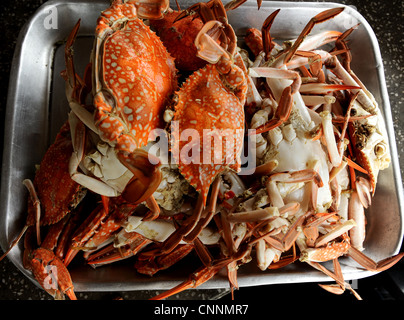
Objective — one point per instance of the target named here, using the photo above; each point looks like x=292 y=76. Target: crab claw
x=147 y=176
x=205 y=42
x=149 y=9
x=52 y=274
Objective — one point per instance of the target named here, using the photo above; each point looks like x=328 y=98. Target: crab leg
x=266 y=37
x=329 y=138
x=341 y=45
x=76 y=88
x=234 y=4
x=310 y=229
x=154 y=209
x=150 y=265
x=197 y=278
x=51 y=240
x=108 y=227
x=319 y=18
x=176 y=237
x=314 y=58
x=281 y=84
x=366 y=100
x=294 y=231
x=334 y=233
x=284 y=97
x=74 y=85
x=336 y=276
x=297 y=176
x=85 y=232
x=226 y=230
x=357 y=213
x=315 y=41
x=255 y=215
x=112 y=253
x=14 y=243
x=315 y=64
x=265 y=168
x=324 y=88
x=307 y=175
x=286 y=242
x=371 y=265
x=202 y=223
x=37 y=205
x=192 y=227
x=201 y=275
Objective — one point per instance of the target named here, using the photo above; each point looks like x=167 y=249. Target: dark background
x=385 y=17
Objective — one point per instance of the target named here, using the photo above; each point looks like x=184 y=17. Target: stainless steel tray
x=37 y=107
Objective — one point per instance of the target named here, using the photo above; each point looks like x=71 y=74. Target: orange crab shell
x=253 y=39
x=179 y=38
x=57 y=192
x=361 y=158
x=204 y=102
x=141 y=75
x=331 y=251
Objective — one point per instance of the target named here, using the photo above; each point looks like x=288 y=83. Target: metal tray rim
x=11 y=112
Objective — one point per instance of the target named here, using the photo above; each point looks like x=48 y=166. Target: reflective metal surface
x=37 y=107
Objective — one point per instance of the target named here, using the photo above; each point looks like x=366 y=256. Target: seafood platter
x=169 y=146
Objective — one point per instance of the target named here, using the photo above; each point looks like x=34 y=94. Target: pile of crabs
x=134 y=172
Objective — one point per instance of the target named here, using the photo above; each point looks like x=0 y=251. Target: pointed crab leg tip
x=69 y=257
x=328 y=14
x=181 y=287
x=333 y=288
x=389 y=262
x=369 y=264
x=70 y=293
x=271 y=17
x=73 y=34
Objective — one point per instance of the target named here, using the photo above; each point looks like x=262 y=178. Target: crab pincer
x=52 y=274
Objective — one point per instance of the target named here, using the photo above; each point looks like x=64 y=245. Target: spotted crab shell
x=210 y=108
x=140 y=75
x=57 y=192
x=179 y=38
